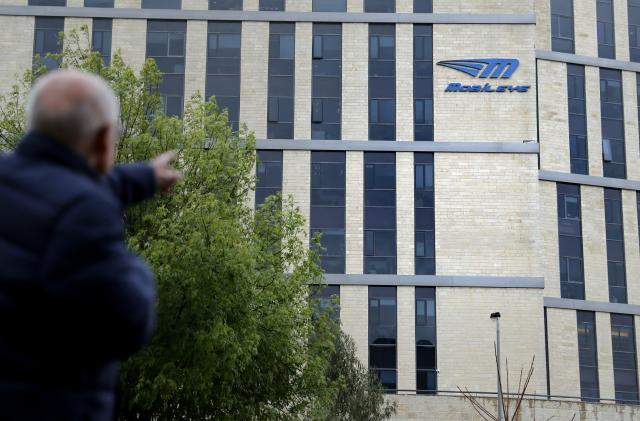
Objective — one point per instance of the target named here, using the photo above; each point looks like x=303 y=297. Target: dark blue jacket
x=73 y=300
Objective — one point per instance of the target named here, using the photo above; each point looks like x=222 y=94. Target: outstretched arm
x=134 y=183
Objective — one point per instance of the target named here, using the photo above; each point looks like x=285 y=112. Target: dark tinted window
x=615 y=246
x=326 y=105
x=328 y=207
x=577 y=119
x=48 y=3
x=423 y=82
x=98 y=3
x=613 y=147
x=423 y=6
x=625 y=371
x=223 y=67
x=606 y=37
x=328 y=298
x=425 y=248
x=426 y=355
x=382 y=82
x=588 y=356
x=379 y=212
x=383 y=328
x=273 y=5
x=166 y=45
x=161 y=4
x=225 y=4
x=268 y=175
x=101 y=38
x=570 y=237
x=380 y=6
x=46 y=40
x=329 y=5
x=562 y=26
x=634 y=29
x=281 y=80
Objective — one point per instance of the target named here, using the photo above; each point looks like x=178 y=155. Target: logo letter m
x=494 y=68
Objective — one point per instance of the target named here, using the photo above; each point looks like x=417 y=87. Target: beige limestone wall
x=355 y=6
x=302 y=112
x=632 y=142
x=355 y=81
x=594 y=127
x=129 y=4
x=404 y=6
x=466 y=336
x=354 y=236
x=17 y=48
x=585 y=28
x=354 y=308
x=195 y=4
x=487 y=6
x=594 y=245
x=631 y=245
x=130 y=37
x=455 y=408
x=543 y=24
x=486 y=212
x=250 y=5
x=406 y=338
x=196 y=59
x=405 y=213
x=298 y=6
x=605 y=356
x=502 y=117
x=564 y=370
x=296 y=180
x=554 y=117
x=404 y=82
x=254 y=69
x=621 y=29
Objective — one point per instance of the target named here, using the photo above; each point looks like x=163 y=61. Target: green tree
x=239 y=336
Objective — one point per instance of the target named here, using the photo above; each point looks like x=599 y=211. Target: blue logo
x=494 y=68
x=485 y=68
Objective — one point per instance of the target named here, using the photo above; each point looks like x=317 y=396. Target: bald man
x=73 y=300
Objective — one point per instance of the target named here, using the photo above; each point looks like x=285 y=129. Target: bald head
x=74 y=108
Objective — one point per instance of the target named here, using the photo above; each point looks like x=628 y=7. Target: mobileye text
x=487 y=87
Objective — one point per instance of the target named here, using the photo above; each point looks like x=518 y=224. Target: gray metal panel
x=589 y=180
x=437 y=281
x=604 y=307
x=587 y=60
x=90 y=12
x=358 y=145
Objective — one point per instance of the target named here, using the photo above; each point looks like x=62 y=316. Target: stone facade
x=254 y=68
x=16 y=54
x=130 y=37
x=404 y=82
x=585 y=29
x=355 y=212
x=355 y=82
x=405 y=213
x=564 y=370
x=302 y=113
x=506 y=117
x=473 y=238
x=594 y=126
x=594 y=245
x=554 y=117
x=196 y=59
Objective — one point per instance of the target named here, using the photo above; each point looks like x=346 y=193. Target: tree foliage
x=238 y=335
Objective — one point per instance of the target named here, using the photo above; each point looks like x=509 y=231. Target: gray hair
x=71 y=106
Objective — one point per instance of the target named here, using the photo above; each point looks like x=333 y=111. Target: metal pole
x=500 y=409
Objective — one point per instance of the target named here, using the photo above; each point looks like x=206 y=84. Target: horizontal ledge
x=398 y=146
x=238 y=15
x=436 y=280
x=589 y=180
x=587 y=60
x=601 y=306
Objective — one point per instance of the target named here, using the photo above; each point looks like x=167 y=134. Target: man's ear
x=103 y=150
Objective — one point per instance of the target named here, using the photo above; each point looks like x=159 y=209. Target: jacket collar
x=41 y=147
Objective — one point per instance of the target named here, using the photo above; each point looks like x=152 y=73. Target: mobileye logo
x=484 y=68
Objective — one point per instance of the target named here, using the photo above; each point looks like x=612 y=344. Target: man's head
x=79 y=110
